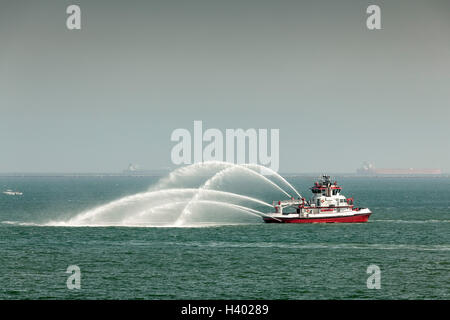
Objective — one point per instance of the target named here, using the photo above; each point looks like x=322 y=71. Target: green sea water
x=407 y=237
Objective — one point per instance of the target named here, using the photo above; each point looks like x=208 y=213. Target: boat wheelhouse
x=327 y=205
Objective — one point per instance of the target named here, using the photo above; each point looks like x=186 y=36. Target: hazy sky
x=96 y=99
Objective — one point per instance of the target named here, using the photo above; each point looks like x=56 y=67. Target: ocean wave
x=137 y=225
x=410 y=221
x=20 y=223
x=344 y=246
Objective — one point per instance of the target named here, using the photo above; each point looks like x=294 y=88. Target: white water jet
x=141 y=215
x=223 y=172
x=188 y=176
x=201 y=168
x=128 y=203
x=219 y=175
x=173 y=199
x=141 y=218
x=124 y=210
x=204 y=170
x=274 y=173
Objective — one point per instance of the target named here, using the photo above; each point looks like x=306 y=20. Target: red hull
x=357 y=218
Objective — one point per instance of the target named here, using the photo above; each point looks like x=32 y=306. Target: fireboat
x=327 y=205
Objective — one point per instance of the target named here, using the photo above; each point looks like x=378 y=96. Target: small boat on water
x=9 y=192
x=327 y=205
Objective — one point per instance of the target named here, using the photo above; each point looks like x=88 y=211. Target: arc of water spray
x=238 y=166
x=193 y=166
x=168 y=205
x=230 y=167
x=225 y=167
x=123 y=201
x=235 y=195
x=276 y=174
x=143 y=196
x=162 y=206
x=229 y=164
x=250 y=210
x=249 y=165
x=217 y=192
